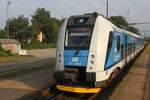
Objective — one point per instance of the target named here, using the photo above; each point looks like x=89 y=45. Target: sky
x=138 y=9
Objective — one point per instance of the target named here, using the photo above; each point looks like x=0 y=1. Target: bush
x=4 y=52
x=38 y=45
x=3 y=34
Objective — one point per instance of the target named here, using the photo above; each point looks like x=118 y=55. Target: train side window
x=110 y=40
x=118 y=43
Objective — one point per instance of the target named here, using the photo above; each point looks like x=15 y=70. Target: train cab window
x=110 y=40
x=118 y=44
x=78 y=37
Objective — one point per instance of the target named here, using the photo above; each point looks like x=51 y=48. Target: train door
x=119 y=52
x=126 y=48
x=122 y=43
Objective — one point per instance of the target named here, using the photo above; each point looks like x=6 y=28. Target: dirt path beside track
x=22 y=78
x=50 y=52
x=15 y=88
x=136 y=84
x=147 y=84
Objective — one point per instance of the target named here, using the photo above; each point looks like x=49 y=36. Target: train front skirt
x=78 y=89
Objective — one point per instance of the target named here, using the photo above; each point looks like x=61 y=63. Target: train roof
x=127 y=32
x=115 y=28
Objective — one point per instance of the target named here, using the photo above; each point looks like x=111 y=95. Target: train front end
x=73 y=55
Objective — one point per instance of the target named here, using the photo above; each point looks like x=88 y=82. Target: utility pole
x=128 y=16
x=106 y=8
x=8 y=3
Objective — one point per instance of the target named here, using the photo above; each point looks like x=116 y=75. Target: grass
x=4 y=53
x=38 y=45
x=26 y=71
x=6 y=59
x=16 y=73
x=6 y=56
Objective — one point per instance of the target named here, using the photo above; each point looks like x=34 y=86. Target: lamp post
x=128 y=16
x=106 y=8
x=8 y=3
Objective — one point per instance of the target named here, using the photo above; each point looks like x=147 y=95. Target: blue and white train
x=90 y=51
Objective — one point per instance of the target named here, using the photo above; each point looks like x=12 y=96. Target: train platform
x=136 y=84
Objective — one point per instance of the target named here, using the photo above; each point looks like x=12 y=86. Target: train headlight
x=92 y=56
x=92 y=59
x=90 y=68
x=60 y=55
x=92 y=62
x=59 y=60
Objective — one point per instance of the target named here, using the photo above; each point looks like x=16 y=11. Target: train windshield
x=78 y=37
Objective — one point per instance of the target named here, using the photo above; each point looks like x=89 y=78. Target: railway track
x=53 y=94
x=14 y=68
x=25 y=79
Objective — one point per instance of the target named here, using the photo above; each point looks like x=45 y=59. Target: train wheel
x=109 y=80
x=117 y=72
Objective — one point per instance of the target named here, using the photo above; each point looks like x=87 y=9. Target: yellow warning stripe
x=78 y=89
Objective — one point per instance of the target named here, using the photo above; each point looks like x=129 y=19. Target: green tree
x=120 y=22
x=55 y=28
x=133 y=29
x=3 y=34
x=43 y=22
x=19 y=28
